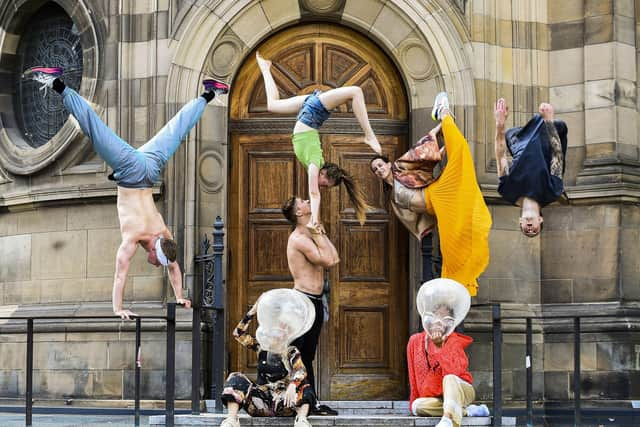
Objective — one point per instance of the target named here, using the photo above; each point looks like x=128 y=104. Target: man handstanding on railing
x=308 y=254
x=135 y=171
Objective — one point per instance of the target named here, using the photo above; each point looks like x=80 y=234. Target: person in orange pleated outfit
x=456 y=201
x=451 y=197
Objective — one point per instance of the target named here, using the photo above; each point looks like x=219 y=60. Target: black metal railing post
x=217 y=329
x=576 y=371
x=29 y=375
x=137 y=365
x=170 y=391
x=196 y=357
x=497 y=364
x=529 y=370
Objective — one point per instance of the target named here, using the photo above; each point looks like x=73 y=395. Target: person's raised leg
x=335 y=97
x=274 y=103
x=441 y=112
x=113 y=150
x=162 y=146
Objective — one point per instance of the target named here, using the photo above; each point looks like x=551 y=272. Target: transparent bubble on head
x=439 y=299
x=273 y=339
x=287 y=311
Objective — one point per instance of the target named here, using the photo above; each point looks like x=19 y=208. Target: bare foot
x=372 y=142
x=264 y=64
x=501 y=112
x=546 y=111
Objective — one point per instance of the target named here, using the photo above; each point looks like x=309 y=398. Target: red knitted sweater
x=426 y=372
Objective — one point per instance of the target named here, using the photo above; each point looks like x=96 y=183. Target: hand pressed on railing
x=125 y=314
x=183 y=302
x=130 y=315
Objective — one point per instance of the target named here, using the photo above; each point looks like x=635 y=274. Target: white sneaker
x=445 y=422
x=302 y=422
x=230 y=422
x=440 y=104
x=478 y=410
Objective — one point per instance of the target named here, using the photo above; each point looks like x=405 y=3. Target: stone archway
x=426 y=42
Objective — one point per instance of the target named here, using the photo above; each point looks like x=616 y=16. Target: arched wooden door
x=362 y=349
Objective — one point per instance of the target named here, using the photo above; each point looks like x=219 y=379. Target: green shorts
x=308 y=149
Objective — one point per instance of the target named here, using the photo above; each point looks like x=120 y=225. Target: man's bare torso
x=139 y=219
x=307 y=277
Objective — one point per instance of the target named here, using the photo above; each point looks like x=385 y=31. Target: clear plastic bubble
x=443 y=304
x=283 y=316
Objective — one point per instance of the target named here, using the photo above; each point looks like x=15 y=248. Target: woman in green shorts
x=312 y=111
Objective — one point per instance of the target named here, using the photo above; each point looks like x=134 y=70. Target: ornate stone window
x=54 y=41
x=34 y=130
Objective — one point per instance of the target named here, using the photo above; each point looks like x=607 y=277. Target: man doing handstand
x=135 y=171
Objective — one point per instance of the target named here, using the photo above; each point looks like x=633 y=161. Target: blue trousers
x=134 y=168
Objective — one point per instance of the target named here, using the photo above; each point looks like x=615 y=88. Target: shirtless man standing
x=135 y=171
x=308 y=254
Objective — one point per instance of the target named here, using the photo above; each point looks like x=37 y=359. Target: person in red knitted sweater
x=441 y=384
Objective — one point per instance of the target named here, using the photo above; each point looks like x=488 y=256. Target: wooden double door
x=362 y=347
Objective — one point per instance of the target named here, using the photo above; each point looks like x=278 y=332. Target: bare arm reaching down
x=557 y=158
x=175 y=277
x=501 y=112
x=123 y=260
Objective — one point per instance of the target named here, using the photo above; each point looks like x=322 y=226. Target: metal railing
x=170 y=319
x=209 y=299
x=576 y=330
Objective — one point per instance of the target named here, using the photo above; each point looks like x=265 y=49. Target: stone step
x=352 y=413
x=341 y=420
x=354 y=407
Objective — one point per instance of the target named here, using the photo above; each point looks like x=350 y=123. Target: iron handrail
x=170 y=318
x=497 y=355
x=116 y=318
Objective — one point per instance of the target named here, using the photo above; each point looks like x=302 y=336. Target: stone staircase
x=352 y=414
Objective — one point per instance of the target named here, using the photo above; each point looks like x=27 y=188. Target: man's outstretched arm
x=501 y=111
x=123 y=260
x=557 y=157
x=175 y=277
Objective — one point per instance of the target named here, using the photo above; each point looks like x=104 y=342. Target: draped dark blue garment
x=529 y=174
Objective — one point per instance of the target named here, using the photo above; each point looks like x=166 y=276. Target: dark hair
x=289 y=210
x=170 y=249
x=356 y=196
x=386 y=187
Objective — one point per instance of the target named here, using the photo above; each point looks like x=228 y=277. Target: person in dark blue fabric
x=534 y=178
